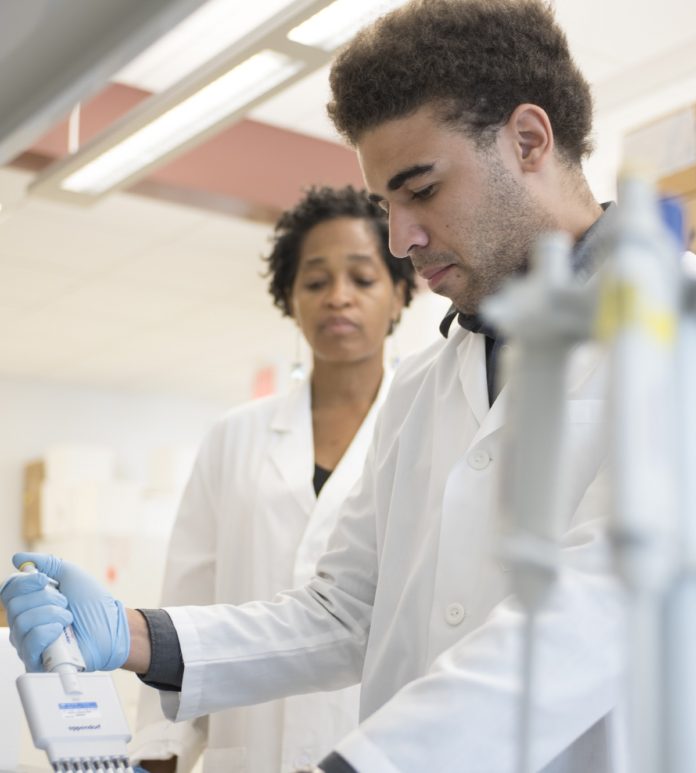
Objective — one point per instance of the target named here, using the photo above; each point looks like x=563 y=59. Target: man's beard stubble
x=508 y=225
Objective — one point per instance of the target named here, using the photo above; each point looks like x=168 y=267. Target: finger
x=36 y=641
x=19 y=584
x=44 y=562
x=45 y=597
x=36 y=618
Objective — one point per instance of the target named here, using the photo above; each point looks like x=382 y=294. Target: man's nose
x=404 y=233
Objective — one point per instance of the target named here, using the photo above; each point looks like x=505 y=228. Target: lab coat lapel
x=334 y=491
x=471 y=355
x=291 y=445
x=350 y=466
x=584 y=363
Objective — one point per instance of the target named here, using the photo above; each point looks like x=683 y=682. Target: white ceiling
x=139 y=294
x=133 y=293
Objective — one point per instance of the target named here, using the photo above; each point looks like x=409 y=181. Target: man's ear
x=530 y=134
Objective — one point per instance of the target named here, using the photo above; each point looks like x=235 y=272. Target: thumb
x=45 y=563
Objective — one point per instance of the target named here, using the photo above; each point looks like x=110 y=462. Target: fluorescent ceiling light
x=241 y=85
x=217 y=93
x=208 y=31
x=338 y=22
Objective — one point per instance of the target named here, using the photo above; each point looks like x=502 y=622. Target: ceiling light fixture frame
x=270 y=36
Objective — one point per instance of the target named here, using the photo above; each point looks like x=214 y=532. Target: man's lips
x=433 y=274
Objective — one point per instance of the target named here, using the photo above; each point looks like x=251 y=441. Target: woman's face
x=343 y=298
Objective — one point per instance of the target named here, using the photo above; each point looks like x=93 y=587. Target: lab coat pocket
x=232 y=759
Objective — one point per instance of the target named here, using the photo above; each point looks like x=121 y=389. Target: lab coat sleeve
x=461 y=716
x=189 y=579
x=305 y=640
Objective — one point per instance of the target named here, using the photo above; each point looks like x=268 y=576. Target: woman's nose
x=340 y=293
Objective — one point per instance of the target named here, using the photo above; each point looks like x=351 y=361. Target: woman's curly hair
x=317 y=206
x=474 y=61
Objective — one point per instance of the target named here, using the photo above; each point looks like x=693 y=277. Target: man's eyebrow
x=413 y=171
x=400 y=178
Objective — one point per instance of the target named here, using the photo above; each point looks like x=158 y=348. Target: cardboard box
x=667 y=146
x=683 y=185
x=34 y=475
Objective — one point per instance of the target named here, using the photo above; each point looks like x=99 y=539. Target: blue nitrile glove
x=36 y=613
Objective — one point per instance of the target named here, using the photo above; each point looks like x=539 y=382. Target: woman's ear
x=530 y=135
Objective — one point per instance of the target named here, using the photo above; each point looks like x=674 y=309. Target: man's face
x=462 y=214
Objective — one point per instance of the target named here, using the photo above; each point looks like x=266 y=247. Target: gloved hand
x=37 y=613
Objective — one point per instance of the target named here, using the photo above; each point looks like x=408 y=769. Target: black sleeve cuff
x=167 y=663
x=334 y=763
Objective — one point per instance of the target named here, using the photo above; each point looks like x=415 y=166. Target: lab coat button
x=454 y=614
x=479 y=459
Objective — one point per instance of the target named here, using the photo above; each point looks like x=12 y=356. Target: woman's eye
x=363 y=281
x=315 y=284
x=423 y=193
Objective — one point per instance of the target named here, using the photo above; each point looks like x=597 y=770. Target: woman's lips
x=339 y=325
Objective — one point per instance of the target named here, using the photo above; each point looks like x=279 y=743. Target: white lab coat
x=249 y=526
x=412 y=597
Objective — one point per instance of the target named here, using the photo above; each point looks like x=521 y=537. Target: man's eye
x=423 y=193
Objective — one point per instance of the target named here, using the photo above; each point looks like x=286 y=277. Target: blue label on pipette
x=672 y=214
x=79 y=709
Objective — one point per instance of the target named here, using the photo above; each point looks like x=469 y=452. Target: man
x=470 y=121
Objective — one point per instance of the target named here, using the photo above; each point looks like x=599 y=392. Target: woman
x=265 y=490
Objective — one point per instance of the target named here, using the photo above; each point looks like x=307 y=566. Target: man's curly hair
x=317 y=206
x=474 y=61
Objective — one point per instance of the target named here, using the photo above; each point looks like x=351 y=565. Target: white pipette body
x=63 y=656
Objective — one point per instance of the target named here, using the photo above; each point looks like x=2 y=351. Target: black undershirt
x=321 y=475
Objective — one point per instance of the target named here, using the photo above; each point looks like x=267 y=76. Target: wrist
x=140 y=650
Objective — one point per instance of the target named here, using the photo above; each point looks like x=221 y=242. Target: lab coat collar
x=292 y=430
x=585 y=366
x=324 y=514
x=471 y=356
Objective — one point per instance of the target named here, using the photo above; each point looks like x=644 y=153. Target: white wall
x=35 y=415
